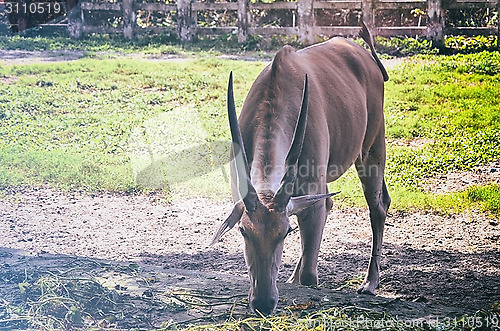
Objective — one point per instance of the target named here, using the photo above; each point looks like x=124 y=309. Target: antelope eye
x=243 y=233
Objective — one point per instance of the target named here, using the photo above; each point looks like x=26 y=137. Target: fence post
x=184 y=20
x=244 y=19
x=22 y=16
x=75 y=19
x=129 y=19
x=305 y=21
x=498 y=25
x=435 y=25
x=368 y=12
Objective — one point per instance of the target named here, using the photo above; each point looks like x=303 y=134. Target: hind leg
x=370 y=170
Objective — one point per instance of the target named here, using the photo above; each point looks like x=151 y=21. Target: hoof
x=362 y=290
x=367 y=288
x=306 y=279
x=309 y=279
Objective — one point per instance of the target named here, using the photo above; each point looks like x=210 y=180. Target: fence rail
x=304 y=25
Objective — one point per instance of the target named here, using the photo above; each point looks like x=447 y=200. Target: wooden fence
x=304 y=25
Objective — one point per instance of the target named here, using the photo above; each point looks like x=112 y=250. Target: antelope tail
x=367 y=37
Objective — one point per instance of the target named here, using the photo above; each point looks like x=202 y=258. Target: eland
x=307 y=118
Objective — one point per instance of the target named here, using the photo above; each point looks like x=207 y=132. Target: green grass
x=132 y=125
x=488 y=197
x=452 y=102
x=96 y=124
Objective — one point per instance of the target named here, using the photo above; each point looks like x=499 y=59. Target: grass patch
x=488 y=197
x=163 y=44
x=452 y=102
x=134 y=125
x=96 y=124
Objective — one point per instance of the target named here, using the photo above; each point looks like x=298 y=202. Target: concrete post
x=184 y=20
x=498 y=26
x=305 y=21
x=368 y=11
x=75 y=19
x=129 y=19
x=244 y=20
x=22 y=16
x=435 y=25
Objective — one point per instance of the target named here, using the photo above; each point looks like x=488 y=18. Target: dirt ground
x=438 y=263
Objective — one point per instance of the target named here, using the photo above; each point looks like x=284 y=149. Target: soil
x=15 y=57
x=457 y=181
x=432 y=264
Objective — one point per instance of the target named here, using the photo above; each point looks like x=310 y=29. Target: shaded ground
x=29 y=57
x=429 y=261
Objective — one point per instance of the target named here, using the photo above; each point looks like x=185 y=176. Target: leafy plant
x=475 y=44
x=483 y=63
x=404 y=46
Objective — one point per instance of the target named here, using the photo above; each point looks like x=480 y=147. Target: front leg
x=311 y=224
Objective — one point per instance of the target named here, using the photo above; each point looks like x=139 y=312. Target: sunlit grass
x=71 y=124
x=133 y=125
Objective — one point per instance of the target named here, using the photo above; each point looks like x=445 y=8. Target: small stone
x=420 y=299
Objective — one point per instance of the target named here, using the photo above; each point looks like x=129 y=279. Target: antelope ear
x=229 y=223
x=297 y=204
